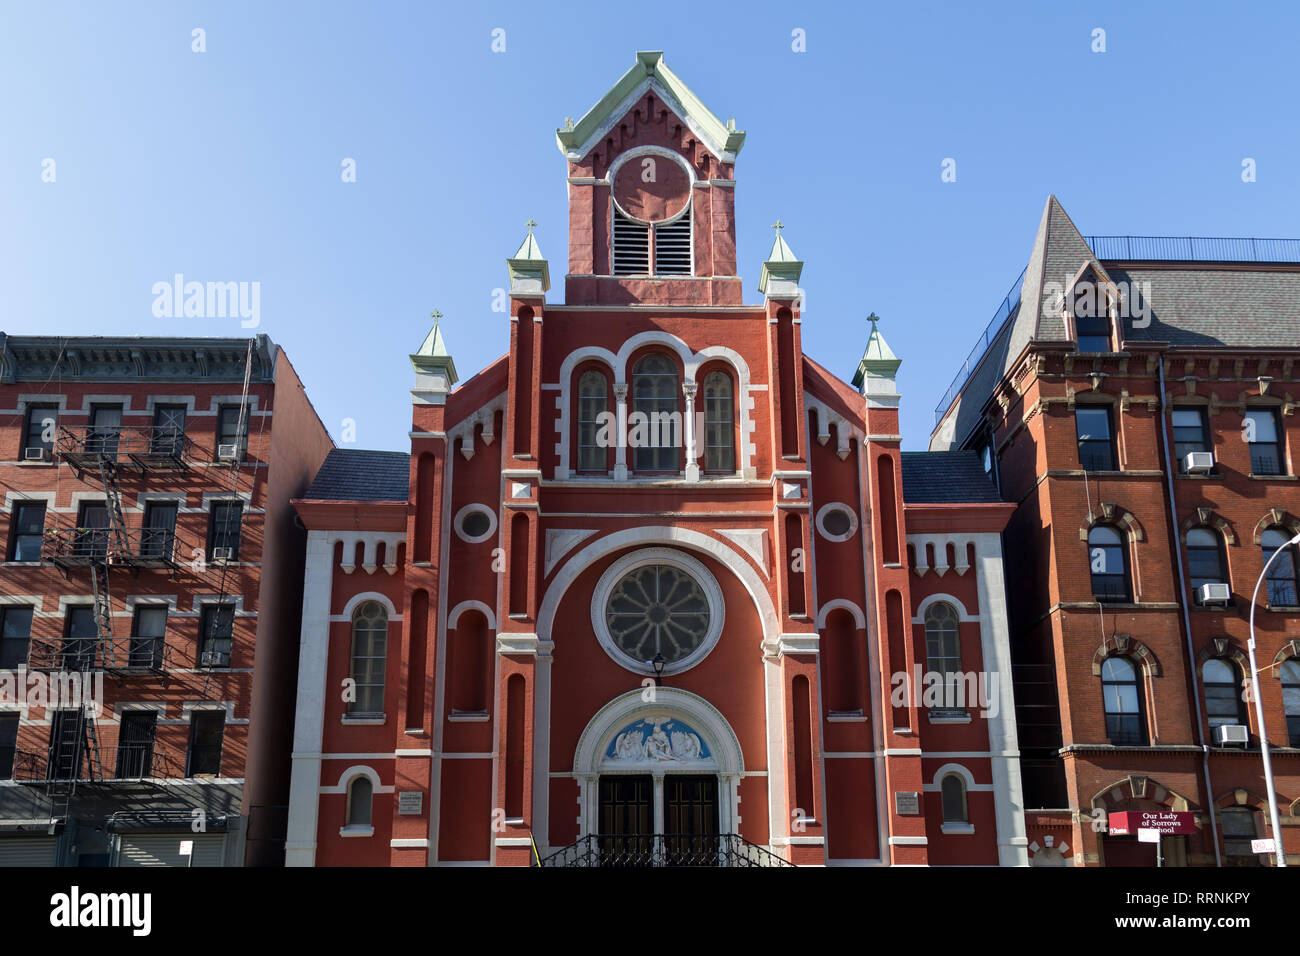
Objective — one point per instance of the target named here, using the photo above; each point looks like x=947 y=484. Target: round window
x=837 y=522
x=657 y=609
x=475 y=523
x=657 y=602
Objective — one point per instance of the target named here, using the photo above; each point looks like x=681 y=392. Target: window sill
x=22 y=463
x=356 y=831
x=366 y=720
x=22 y=564
x=957 y=828
x=846 y=716
x=949 y=717
x=467 y=716
x=1284 y=608
x=1254 y=477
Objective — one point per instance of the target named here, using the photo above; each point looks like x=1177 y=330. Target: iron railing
x=138 y=762
x=721 y=850
x=158 y=447
x=126 y=655
x=1194 y=249
x=1000 y=317
x=81 y=547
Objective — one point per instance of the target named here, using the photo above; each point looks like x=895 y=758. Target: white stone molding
x=468 y=509
x=826 y=509
x=963 y=616
x=859 y=619
x=454 y=614
x=559 y=542
x=466 y=428
x=753 y=541
x=826 y=417
x=940 y=543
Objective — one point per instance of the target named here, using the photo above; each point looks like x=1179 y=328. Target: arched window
x=942 y=641
x=1290 y=673
x=1223 y=693
x=1108 y=563
x=1205 y=559
x=657 y=437
x=369 y=651
x=1240 y=826
x=593 y=402
x=953 y=788
x=360 y=800
x=1281 y=580
x=1122 y=699
x=719 y=424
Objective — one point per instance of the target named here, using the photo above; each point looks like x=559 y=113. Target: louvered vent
x=631 y=247
x=673 y=247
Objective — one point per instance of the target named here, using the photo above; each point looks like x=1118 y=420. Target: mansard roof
x=351 y=474
x=1211 y=293
x=650 y=73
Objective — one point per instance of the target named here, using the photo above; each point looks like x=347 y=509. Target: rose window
x=657 y=609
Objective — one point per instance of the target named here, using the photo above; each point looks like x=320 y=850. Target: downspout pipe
x=1187 y=617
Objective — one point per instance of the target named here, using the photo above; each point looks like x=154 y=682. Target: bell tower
x=651 y=195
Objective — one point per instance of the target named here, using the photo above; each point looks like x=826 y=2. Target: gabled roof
x=350 y=474
x=946 y=477
x=650 y=73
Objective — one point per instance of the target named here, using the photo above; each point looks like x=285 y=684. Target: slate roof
x=1203 y=305
x=946 y=477
x=349 y=474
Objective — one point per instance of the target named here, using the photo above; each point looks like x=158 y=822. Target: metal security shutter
x=27 y=851
x=163 y=849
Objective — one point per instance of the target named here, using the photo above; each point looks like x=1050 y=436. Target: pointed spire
x=530 y=273
x=878 y=360
x=435 y=372
x=780 y=276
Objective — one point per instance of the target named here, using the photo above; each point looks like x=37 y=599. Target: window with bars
x=593 y=401
x=207 y=732
x=223 y=530
x=135 y=744
x=666 y=246
x=369 y=658
x=216 y=635
x=719 y=425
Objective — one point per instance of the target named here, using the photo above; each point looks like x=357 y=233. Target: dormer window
x=1092 y=322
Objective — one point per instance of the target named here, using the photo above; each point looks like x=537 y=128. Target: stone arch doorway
x=658 y=771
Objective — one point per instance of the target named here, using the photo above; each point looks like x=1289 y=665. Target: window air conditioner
x=1214 y=593
x=215 y=659
x=1198 y=462
x=227 y=452
x=1232 y=734
x=34 y=454
x=223 y=554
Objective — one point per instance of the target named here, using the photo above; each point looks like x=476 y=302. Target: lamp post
x=1278 y=850
x=658 y=664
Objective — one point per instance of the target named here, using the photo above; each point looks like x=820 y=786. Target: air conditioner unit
x=223 y=554
x=215 y=659
x=228 y=452
x=1214 y=593
x=1198 y=462
x=34 y=454
x=1232 y=734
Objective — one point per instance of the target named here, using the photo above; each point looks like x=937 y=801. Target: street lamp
x=1271 y=796
x=659 y=662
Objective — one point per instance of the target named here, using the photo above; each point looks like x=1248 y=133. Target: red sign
x=1165 y=821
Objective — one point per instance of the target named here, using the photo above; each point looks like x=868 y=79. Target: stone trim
x=1122 y=645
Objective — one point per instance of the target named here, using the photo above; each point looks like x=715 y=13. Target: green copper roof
x=529 y=265
x=879 y=358
x=781 y=262
x=649 y=72
x=433 y=353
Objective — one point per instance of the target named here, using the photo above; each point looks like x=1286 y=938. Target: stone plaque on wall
x=410 y=803
x=907 y=803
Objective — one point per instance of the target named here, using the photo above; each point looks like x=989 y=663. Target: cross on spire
x=530 y=223
x=435 y=315
x=873 y=319
x=778 y=226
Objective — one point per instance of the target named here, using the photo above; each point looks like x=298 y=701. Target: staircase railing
x=670 y=849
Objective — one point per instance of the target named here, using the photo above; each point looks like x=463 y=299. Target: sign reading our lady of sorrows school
x=1165 y=821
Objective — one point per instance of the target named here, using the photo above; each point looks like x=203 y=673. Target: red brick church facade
x=647 y=588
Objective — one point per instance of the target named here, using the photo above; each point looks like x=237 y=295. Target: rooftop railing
x=1133 y=249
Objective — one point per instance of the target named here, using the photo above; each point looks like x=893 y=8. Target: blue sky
x=225 y=165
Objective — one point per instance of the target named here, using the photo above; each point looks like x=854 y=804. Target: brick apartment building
x=1135 y=399
x=486 y=617
x=148 y=547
